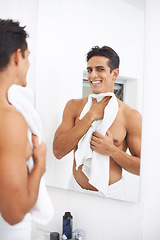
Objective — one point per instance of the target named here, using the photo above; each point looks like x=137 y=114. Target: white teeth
x=96 y=82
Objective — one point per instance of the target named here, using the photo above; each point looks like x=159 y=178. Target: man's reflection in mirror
x=100 y=128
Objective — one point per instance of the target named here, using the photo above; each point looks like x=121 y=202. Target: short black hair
x=107 y=52
x=12 y=37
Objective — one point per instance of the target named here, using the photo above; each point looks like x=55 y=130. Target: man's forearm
x=22 y=198
x=34 y=179
x=67 y=141
x=128 y=162
x=105 y=146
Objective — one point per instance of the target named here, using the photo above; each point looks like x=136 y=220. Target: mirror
x=67 y=30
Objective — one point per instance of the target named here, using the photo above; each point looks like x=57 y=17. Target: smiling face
x=100 y=78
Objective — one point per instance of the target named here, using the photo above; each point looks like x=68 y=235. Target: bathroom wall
x=150 y=173
x=100 y=218
x=104 y=219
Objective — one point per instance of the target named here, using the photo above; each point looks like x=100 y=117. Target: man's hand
x=39 y=153
x=97 y=108
x=102 y=144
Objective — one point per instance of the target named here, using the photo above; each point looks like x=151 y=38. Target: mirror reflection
x=100 y=128
x=61 y=80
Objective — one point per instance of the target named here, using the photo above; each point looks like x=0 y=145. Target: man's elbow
x=57 y=153
x=13 y=218
x=14 y=211
x=138 y=172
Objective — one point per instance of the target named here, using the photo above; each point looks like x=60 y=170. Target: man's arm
x=18 y=189
x=105 y=144
x=68 y=134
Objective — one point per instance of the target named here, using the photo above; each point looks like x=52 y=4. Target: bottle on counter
x=67 y=226
x=54 y=236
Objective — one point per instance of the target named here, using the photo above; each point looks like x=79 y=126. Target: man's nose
x=93 y=74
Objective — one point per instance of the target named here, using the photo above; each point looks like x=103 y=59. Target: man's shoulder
x=74 y=107
x=12 y=124
x=11 y=115
x=76 y=104
x=132 y=117
x=78 y=101
x=127 y=110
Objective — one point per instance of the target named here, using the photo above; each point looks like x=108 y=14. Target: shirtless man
x=125 y=132
x=18 y=188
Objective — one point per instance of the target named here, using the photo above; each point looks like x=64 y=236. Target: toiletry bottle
x=79 y=234
x=67 y=225
x=54 y=236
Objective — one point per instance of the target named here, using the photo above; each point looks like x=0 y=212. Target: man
x=123 y=133
x=18 y=188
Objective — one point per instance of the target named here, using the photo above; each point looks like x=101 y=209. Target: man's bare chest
x=118 y=131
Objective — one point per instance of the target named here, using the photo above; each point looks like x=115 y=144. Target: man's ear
x=115 y=73
x=16 y=56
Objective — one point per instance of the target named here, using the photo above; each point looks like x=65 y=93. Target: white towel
x=95 y=165
x=22 y=99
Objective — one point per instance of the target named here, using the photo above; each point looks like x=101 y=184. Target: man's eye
x=100 y=69
x=89 y=70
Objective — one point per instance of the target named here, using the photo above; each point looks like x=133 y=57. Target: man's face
x=99 y=77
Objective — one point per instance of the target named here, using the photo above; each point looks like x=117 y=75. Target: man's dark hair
x=105 y=52
x=12 y=37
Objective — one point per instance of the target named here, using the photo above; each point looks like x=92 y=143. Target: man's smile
x=96 y=82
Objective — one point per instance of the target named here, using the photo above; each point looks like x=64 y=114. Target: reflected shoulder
x=131 y=116
x=128 y=111
x=77 y=101
x=75 y=105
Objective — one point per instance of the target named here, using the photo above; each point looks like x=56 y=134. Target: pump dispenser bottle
x=67 y=226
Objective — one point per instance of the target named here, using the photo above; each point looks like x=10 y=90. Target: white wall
x=151 y=125
x=100 y=218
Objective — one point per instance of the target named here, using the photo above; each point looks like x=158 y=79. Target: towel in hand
x=22 y=99
x=95 y=165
